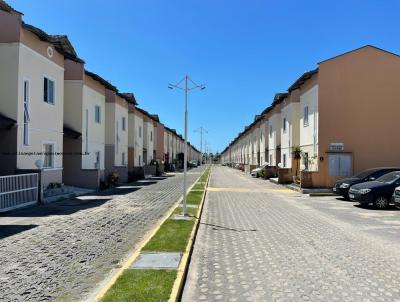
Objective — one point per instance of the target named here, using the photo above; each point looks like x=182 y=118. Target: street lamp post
x=186 y=88
x=201 y=130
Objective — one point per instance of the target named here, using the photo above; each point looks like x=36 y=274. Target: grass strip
x=142 y=285
x=173 y=236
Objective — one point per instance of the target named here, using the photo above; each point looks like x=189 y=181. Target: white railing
x=18 y=191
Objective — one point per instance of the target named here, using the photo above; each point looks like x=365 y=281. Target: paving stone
x=157 y=261
x=73 y=246
x=267 y=244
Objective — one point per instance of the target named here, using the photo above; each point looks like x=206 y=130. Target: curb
x=183 y=268
x=109 y=281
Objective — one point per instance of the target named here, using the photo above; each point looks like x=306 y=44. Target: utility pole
x=201 y=130
x=186 y=88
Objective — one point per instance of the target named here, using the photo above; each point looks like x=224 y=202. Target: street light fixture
x=186 y=88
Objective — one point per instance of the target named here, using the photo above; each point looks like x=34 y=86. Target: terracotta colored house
x=340 y=114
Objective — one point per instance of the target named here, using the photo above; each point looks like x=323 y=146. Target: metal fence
x=18 y=191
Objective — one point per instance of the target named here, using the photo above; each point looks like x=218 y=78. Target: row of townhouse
x=341 y=115
x=60 y=118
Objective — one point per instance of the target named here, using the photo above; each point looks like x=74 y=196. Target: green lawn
x=142 y=285
x=194 y=197
x=190 y=211
x=172 y=236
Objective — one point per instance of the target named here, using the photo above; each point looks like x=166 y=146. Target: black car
x=342 y=186
x=379 y=192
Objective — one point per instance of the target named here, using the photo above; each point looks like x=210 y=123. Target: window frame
x=26 y=110
x=52 y=143
x=49 y=78
x=97 y=117
x=123 y=123
x=305 y=116
x=284 y=127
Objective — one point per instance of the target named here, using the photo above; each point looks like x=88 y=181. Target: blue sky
x=244 y=51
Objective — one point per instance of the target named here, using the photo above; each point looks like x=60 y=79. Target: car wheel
x=381 y=203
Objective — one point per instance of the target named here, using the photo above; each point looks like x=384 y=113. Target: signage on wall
x=336 y=147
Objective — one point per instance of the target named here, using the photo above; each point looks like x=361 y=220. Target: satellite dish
x=302 y=167
x=39 y=163
x=280 y=165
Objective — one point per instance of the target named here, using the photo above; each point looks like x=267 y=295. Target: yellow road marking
x=213 y=189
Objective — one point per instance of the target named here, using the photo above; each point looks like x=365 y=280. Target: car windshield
x=365 y=174
x=389 y=178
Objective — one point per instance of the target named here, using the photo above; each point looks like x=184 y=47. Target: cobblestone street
x=62 y=250
x=261 y=242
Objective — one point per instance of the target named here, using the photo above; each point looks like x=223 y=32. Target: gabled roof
x=128 y=96
x=100 y=80
x=357 y=49
x=302 y=79
x=7 y=8
x=61 y=42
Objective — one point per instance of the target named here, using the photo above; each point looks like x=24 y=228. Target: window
x=305 y=117
x=270 y=159
x=140 y=160
x=48 y=150
x=26 y=113
x=306 y=162
x=261 y=135
x=97 y=162
x=123 y=123
x=151 y=136
x=87 y=131
x=48 y=91
x=270 y=131
x=97 y=114
x=284 y=160
x=123 y=159
x=140 y=131
x=284 y=124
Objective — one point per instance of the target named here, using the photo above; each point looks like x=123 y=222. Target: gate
x=18 y=191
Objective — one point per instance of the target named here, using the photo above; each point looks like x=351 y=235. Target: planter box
x=285 y=175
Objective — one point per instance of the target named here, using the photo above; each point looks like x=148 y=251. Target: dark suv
x=342 y=186
x=379 y=192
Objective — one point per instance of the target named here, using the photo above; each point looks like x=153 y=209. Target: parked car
x=342 y=186
x=378 y=192
x=396 y=197
x=193 y=163
x=256 y=172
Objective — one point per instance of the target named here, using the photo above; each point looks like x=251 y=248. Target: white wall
x=309 y=132
x=121 y=136
x=138 y=145
x=46 y=120
x=290 y=137
x=274 y=139
x=96 y=131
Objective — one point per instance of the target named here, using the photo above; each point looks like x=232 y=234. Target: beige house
x=274 y=131
x=32 y=96
x=116 y=134
x=290 y=132
x=84 y=126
